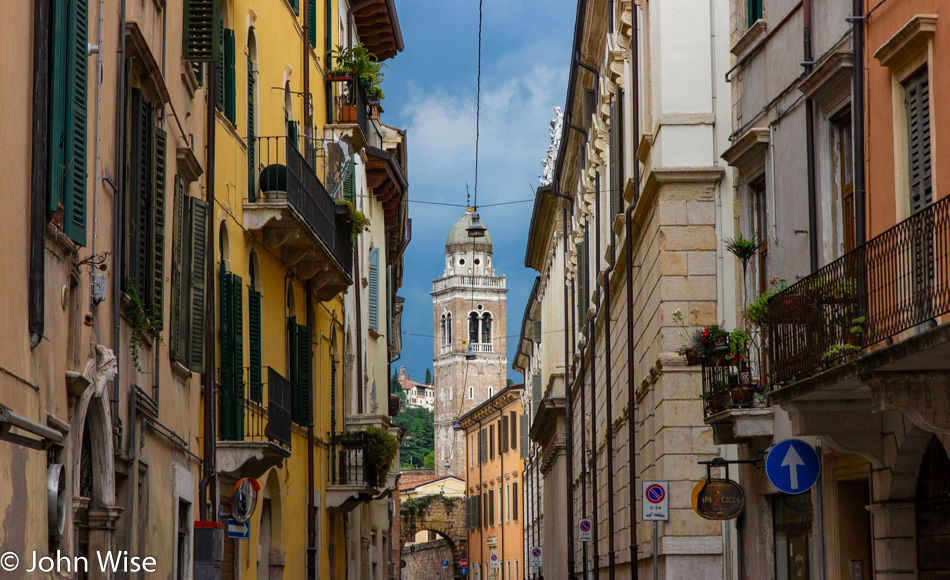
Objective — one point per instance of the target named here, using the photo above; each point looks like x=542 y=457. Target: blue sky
x=430 y=91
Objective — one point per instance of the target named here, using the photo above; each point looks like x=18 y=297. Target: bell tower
x=469 y=349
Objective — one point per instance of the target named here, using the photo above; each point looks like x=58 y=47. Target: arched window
x=473 y=332
x=486 y=328
x=448 y=329
x=224 y=245
x=443 y=335
x=491 y=392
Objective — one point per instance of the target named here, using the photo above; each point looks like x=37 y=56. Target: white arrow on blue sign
x=445 y=563
x=238 y=531
x=792 y=466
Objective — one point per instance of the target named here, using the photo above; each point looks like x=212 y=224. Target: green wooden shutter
x=349 y=182
x=237 y=352
x=302 y=407
x=198 y=246
x=60 y=55
x=503 y=436
x=292 y=354
x=312 y=21
x=230 y=91
x=389 y=304
x=202 y=31
x=178 y=318
x=754 y=9
x=141 y=181
x=374 y=289
x=514 y=500
x=255 y=387
x=918 y=140
x=220 y=68
x=332 y=395
x=251 y=137
x=226 y=401
x=74 y=186
x=295 y=4
x=158 y=227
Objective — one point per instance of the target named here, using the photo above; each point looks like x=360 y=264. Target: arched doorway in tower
x=933 y=513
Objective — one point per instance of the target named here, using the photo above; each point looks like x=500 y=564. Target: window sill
x=180 y=371
x=749 y=39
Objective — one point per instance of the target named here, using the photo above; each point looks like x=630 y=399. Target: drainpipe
x=311 y=512
x=593 y=386
x=210 y=479
x=117 y=234
x=857 y=123
x=810 y=145
x=39 y=178
x=307 y=122
x=608 y=377
x=568 y=427
x=631 y=355
x=359 y=327
x=501 y=491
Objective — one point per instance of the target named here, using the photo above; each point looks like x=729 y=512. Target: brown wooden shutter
x=918 y=140
x=158 y=227
x=178 y=315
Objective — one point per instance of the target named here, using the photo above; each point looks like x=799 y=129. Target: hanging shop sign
x=718 y=499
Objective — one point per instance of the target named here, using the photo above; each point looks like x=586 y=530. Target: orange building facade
x=494 y=447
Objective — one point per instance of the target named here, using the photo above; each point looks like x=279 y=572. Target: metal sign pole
x=656 y=551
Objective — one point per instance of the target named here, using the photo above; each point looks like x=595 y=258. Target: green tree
x=395 y=388
x=419 y=439
x=428 y=377
x=510 y=382
x=429 y=461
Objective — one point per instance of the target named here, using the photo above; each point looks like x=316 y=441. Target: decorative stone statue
x=106 y=369
x=548 y=163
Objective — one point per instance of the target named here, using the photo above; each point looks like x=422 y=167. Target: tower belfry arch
x=469 y=304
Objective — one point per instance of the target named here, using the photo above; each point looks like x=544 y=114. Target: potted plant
x=362 y=73
x=713 y=338
x=738 y=345
x=757 y=311
x=273 y=179
x=381 y=449
x=692 y=350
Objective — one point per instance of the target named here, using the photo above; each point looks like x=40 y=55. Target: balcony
x=291 y=210
x=349 y=116
x=733 y=397
x=479 y=347
x=254 y=422
x=868 y=333
x=468 y=282
x=353 y=479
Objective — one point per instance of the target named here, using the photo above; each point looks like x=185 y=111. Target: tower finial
x=468 y=196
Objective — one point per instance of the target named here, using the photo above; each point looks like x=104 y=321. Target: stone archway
x=440 y=514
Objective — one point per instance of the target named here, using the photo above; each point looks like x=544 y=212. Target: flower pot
x=741 y=395
x=347 y=114
x=336 y=77
x=273 y=179
x=692 y=358
x=721 y=341
x=374 y=112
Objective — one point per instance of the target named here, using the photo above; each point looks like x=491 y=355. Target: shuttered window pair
x=298 y=341
x=67 y=116
x=615 y=167
x=918 y=140
x=144 y=262
x=231 y=374
x=189 y=274
x=581 y=289
x=312 y=22
x=202 y=30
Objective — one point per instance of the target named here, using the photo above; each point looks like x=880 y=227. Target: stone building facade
x=469 y=318
x=629 y=231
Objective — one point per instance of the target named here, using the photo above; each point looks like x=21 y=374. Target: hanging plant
x=143 y=322
x=381 y=450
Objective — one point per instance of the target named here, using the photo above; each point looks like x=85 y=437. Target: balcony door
x=921 y=223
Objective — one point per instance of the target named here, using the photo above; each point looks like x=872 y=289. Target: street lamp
x=476 y=229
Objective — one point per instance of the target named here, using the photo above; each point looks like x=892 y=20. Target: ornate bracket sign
x=718 y=499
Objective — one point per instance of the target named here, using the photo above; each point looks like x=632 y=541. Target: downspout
x=39 y=178
x=631 y=355
x=501 y=491
x=95 y=170
x=117 y=234
x=810 y=145
x=568 y=439
x=608 y=377
x=580 y=377
x=857 y=123
x=311 y=512
x=359 y=328
x=210 y=479
x=595 y=506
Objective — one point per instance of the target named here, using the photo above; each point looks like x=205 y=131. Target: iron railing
x=895 y=282
x=254 y=406
x=728 y=382
x=352 y=465
x=351 y=105
x=288 y=174
x=469 y=281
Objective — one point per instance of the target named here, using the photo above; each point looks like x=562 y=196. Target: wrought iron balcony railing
x=291 y=166
x=895 y=282
x=352 y=466
x=731 y=382
x=351 y=105
x=254 y=405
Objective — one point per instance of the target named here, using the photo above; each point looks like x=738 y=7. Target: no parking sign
x=536 y=557
x=656 y=501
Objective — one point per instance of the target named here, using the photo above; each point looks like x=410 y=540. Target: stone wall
x=424 y=561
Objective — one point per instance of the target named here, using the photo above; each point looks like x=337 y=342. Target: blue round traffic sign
x=792 y=466
x=536 y=552
x=585 y=526
x=655 y=494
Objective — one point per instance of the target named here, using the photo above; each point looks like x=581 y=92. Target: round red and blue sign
x=655 y=494
x=585 y=526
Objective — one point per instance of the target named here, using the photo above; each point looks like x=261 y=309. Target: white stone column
x=895 y=544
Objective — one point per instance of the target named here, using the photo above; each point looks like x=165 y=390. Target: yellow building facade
x=494 y=448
